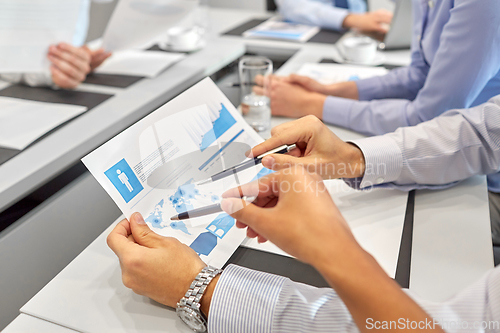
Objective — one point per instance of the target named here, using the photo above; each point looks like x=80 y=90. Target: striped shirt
x=248 y=301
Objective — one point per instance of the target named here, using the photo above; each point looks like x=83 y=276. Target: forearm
x=343 y=89
x=369 y=294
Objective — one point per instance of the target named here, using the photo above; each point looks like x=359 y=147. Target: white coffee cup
x=183 y=38
x=359 y=50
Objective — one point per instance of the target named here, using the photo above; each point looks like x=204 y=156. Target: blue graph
x=220 y=126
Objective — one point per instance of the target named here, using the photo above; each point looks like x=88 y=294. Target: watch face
x=192 y=319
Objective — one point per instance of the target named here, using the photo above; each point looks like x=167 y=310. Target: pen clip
x=278 y=149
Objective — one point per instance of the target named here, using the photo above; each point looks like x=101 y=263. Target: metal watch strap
x=195 y=292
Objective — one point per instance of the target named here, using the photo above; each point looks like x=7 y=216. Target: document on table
x=152 y=168
x=139 y=63
x=333 y=73
x=376 y=218
x=135 y=24
x=22 y=121
x=29 y=27
x=274 y=28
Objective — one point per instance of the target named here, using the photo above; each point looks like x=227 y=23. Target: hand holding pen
x=226 y=173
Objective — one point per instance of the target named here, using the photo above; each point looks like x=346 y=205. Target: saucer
x=378 y=60
x=172 y=48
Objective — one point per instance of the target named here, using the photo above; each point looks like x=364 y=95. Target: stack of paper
x=29 y=27
x=136 y=24
x=22 y=122
x=139 y=63
x=275 y=29
x=333 y=73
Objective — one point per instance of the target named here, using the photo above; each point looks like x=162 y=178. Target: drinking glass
x=255 y=105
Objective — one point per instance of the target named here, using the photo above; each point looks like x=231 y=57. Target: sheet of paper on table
x=275 y=28
x=376 y=218
x=333 y=73
x=139 y=63
x=22 y=121
x=29 y=27
x=136 y=24
x=152 y=168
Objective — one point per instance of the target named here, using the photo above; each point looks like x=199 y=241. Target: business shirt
x=249 y=301
x=449 y=148
x=435 y=154
x=455 y=64
x=322 y=13
x=80 y=34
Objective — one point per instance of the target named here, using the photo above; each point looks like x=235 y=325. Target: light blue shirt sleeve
x=435 y=154
x=318 y=13
x=250 y=301
x=460 y=43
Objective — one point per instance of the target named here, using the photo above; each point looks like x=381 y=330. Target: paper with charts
x=333 y=73
x=152 y=168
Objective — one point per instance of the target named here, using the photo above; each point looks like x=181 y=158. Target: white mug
x=360 y=50
x=182 y=38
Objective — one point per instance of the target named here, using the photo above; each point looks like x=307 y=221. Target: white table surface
x=29 y=324
x=442 y=262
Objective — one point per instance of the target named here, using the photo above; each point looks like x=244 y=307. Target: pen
x=248 y=164
x=198 y=212
x=216 y=208
x=236 y=84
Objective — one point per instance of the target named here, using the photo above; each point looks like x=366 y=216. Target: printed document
x=153 y=166
x=29 y=27
x=276 y=29
x=333 y=73
x=22 y=121
x=139 y=63
x=136 y=24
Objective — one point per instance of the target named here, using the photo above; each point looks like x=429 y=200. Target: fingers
x=384 y=16
x=74 y=57
x=285 y=134
x=258 y=90
x=279 y=161
x=245 y=212
x=72 y=65
x=259 y=188
x=142 y=234
x=259 y=80
x=80 y=53
x=299 y=79
x=119 y=238
x=61 y=79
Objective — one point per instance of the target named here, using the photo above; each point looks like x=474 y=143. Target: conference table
x=446 y=240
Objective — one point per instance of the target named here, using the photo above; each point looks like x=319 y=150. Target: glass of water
x=256 y=107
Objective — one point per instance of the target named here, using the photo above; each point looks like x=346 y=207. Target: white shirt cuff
x=383 y=161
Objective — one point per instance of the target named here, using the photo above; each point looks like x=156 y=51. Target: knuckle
x=127 y=280
x=131 y=262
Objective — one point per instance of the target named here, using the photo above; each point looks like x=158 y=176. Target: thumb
x=244 y=211
x=280 y=161
x=299 y=79
x=142 y=234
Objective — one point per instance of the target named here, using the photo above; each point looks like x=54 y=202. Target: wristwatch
x=188 y=308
